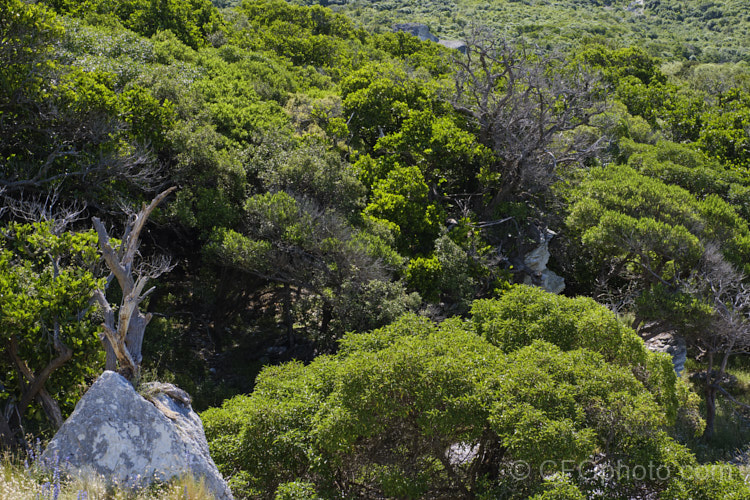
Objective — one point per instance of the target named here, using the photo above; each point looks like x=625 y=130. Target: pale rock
x=421 y=31
x=116 y=433
x=672 y=344
x=552 y=282
x=459 y=454
x=536 y=260
x=536 y=268
x=455 y=45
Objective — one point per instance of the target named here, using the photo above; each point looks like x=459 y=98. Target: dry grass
x=20 y=482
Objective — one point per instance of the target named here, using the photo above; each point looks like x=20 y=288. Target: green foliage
x=414 y=51
x=709 y=481
x=363 y=306
x=305 y=35
x=526 y=314
x=559 y=488
x=445 y=276
x=725 y=132
x=190 y=20
x=71 y=129
x=234 y=107
x=308 y=170
x=385 y=411
x=46 y=284
x=620 y=64
x=424 y=275
x=619 y=213
x=679 y=164
x=448 y=155
x=293 y=242
x=379 y=97
x=402 y=199
x=28 y=32
x=691 y=169
x=257 y=112
x=296 y=490
x=693 y=29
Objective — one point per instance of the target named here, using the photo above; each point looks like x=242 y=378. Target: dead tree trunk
x=124 y=328
x=729 y=331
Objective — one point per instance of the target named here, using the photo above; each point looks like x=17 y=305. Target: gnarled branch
x=123 y=332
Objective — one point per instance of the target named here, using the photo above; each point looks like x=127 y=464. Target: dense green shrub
x=390 y=412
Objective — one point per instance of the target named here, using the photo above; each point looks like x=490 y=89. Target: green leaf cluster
x=46 y=283
x=390 y=412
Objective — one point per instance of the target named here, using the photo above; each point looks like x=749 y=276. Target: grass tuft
x=20 y=481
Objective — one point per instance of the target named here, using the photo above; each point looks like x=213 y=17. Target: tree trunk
x=37 y=381
x=123 y=335
x=710 y=393
x=221 y=311
x=49 y=405
x=110 y=362
x=136 y=332
x=710 y=411
x=51 y=408
x=288 y=315
x=326 y=320
x=6 y=435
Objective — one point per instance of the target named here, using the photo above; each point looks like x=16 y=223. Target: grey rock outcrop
x=116 y=433
x=672 y=344
x=421 y=31
x=455 y=45
x=536 y=267
x=462 y=453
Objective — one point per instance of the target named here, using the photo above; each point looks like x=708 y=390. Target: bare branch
x=45 y=208
x=111 y=258
x=123 y=340
x=522 y=101
x=133 y=236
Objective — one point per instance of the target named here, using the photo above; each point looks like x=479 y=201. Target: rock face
x=455 y=45
x=421 y=31
x=536 y=267
x=117 y=433
x=462 y=453
x=672 y=344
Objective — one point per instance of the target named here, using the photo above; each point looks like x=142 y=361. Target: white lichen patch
x=115 y=445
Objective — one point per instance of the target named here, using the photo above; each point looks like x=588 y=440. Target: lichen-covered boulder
x=116 y=433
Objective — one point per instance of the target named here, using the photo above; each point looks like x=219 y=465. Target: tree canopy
x=353 y=218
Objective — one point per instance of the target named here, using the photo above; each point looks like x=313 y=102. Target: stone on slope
x=458 y=45
x=672 y=344
x=537 y=272
x=116 y=433
x=419 y=30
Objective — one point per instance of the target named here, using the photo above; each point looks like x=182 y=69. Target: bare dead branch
x=522 y=101
x=123 y=332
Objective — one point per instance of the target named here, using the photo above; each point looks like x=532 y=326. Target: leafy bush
x=396 y=410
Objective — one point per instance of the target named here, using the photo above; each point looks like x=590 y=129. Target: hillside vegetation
x=349 y=295
x=702 y=30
